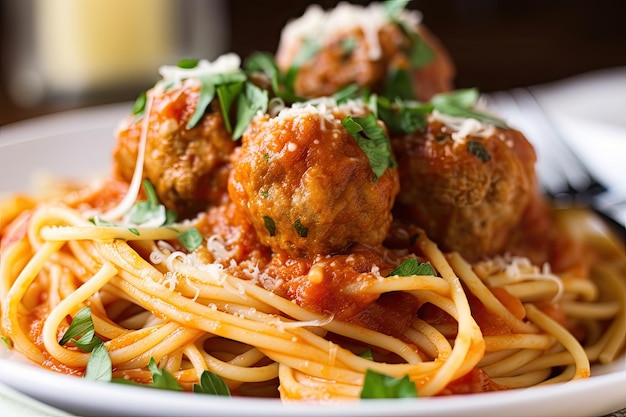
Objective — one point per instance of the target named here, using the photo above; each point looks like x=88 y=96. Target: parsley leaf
x=460 y=103
x=478 y=150
x=399 y=84
x=270 y=225
x=212 y=384
x=208 y=89
x=412 y=266
x=99 y=367
x=162 y=379
x=187 y=63
x=378 y=385
x=372 y=138
x=81 y=331
x=252 y=100
x=300 y=229
x=227 y=94
x=402 y=116
x=394 y=7
x=191 y=239
x=150 y=212
x=140 y=104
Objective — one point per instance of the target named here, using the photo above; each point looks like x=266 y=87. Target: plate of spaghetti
x=331 y=229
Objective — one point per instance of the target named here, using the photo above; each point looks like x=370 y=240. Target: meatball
x=467 y=191
x=307 y=185
x=359 y=45
x=188 y=167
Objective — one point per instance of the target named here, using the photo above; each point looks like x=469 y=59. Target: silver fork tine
x=580 y=181
x=549 y=170
x=560 y=172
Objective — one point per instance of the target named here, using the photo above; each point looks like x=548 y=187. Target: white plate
x=79 y=143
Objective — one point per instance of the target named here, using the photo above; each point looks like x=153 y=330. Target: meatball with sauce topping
x=188 y=165
x=467 y=185
x=308 y=186
x=363 y=45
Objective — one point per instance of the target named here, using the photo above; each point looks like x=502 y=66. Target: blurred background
x=63 y=54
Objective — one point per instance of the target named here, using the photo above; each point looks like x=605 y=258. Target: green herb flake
x=399 y=84
x=270 y=225
x=372 y=138
x=227 y=94
x=393 y=8
x=420 y=53
x=367 y=354
x=81 y=331
x=348 y=45
x=7 y=342
x=99 y=366
x=478 y=150
x=162 y=379
x=378 y=385
x=252 y=100
x=461 y=103
x=191 y=239
x=300 y=229
x=265 y=63
x=211 y=384
x=187 y=63
x=140 y=104
x=412 y=266
x=134 y=231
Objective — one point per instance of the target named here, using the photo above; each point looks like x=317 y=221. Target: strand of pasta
x=564 y=337
x=67 y=307
x=468 y=345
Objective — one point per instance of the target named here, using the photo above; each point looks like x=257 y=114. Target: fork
x=561 y=173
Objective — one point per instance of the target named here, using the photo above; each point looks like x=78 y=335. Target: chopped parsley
x=461 y=103
x=478 y=150
x=412 y=266
x=372 y=138
x=81 y=331
x=270 y=225
x=300 y=229
x=211 y=384
x=377 y=385
x=191 y=239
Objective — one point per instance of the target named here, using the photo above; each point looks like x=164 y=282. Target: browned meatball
x=348 y=55
x=468 y=193
x=308 y=186
x=188 y=167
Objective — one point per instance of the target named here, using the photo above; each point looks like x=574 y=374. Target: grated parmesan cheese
x=226 y=63
x=463 y=127
x=322 y=25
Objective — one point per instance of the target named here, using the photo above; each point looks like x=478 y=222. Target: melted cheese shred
x=149 y=300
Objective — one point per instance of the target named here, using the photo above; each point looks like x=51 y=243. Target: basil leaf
x=7 y=342
x=162 y=379
x=300 y=229
x=344 y=94
x=270 y=225
x=348 y=45
x=478 y=150
x=403 y=116
x=150 y=210
x=264 y=62
x=81 y=331
x=378 y=385
x=420 y=53
x=372 y=138
x=367 y=354
x=252 y=100
x=191 y=239
x=412 y=266
x=140 y=104
x=399 y=84
x=211 y=384
x=307 y=51
x=226 y=94
x=394 y=7
x=460 y=103
x=187 y=63
x=99 y=367
x=207 y=92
